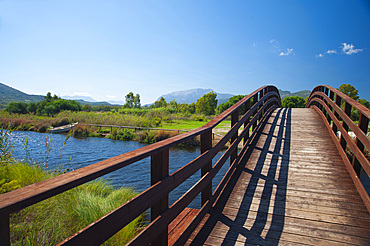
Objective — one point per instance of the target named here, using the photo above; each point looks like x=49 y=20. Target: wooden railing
x=256 y=107
x=329 y=102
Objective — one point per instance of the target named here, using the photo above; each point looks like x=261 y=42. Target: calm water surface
x=82 y=152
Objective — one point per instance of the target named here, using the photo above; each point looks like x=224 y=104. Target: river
x=81 y=152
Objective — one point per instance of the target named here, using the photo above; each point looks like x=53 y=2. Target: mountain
x=85 y=98
x=192 y=95
x=9 y=94
x=284 y=94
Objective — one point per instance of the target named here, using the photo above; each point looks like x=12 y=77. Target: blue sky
x=106 y=49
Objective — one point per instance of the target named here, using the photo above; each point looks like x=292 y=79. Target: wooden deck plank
x=291 y=188
x=180 y=223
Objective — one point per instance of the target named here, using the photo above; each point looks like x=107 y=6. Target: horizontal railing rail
x=329 y=102
x=256 y=107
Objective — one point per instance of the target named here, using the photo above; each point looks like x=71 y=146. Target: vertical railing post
x=320 y=106
x=234 y=120
x=206 y=144
x=363 y=125
x=247 y=106
x=260 y=97
x=255 y=100
x=338 y=101
x=326 y=91
x=331 y=96
x=4 y=230
x=347 y=110
x=159 y=170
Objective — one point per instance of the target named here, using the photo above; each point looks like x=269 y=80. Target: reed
x=52 y=220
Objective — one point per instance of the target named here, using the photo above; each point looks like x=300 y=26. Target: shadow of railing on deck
x=258 y=222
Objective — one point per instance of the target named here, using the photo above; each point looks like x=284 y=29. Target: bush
x=81 y=131
x=293 y=102
x=17 y=108
x=199 y=118
x=126 y=135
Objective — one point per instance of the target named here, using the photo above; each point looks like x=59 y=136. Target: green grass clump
x=55 y=219
x=51 y=221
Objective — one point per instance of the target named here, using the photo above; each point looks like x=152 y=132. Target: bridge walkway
x=290 y=188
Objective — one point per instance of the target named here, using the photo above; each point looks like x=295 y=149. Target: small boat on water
x=65 y=128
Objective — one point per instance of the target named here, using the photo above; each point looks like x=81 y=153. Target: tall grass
x=52 y=220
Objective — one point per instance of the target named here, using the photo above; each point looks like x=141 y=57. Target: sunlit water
x=81 y=152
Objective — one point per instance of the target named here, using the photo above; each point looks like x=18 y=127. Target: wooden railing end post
x=4 y=230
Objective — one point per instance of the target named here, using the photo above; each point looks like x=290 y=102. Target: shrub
x=199 y=118
x=80 y=131
x=293 y=102
x=126 y=135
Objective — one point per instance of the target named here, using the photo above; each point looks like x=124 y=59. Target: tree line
x=205 y=105
x=50 y=106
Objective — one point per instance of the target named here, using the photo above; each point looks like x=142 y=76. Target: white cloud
x=288 y=52
x=111 y=97
x=349 y=49
x=273 y=41
x=277 y=49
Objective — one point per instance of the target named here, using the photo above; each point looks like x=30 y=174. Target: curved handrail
x=256 y=107
x=322 y=99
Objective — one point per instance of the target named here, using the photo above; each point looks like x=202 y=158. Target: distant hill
x=192 y=95
x=89 y=100
x=83 y=102
x=9 y=94
x=85 y=98
x=284 y=94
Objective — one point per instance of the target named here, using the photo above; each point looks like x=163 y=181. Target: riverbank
x=29 y=122
x=51 y=221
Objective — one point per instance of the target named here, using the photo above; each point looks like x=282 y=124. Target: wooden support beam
x=338 y=101
x=247 y=106
x=4 y=230
x=159 y=171
x=234 y=120
x=255 y=100
x=363 y=125
x=347 y=110
x=206 y=144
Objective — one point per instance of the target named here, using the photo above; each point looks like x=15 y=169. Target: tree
x=206 y=104
x=364 y=102
x=50 y=110
x=17 y=108
x=129 y=100
x=137 y=103
x=349 y=90
x=87 y=107
x=48 y=97
x=232 y=100
x=31 y=108
x=132 y=101
x=293 y=102
x=161 y=103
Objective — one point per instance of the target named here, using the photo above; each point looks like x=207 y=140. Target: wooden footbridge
x=293 y=182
